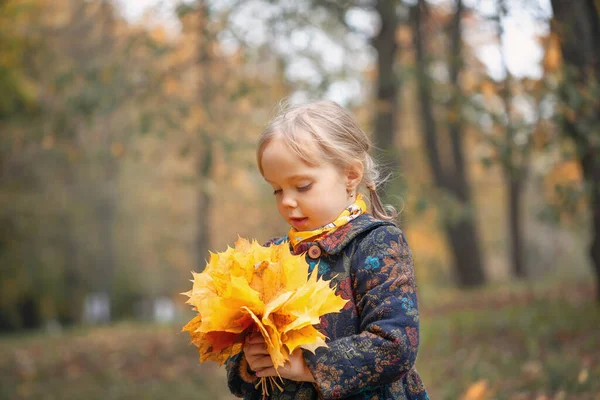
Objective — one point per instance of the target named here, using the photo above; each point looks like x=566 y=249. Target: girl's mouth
x=299 y=223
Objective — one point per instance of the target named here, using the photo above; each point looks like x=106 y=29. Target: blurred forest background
x=127 y=137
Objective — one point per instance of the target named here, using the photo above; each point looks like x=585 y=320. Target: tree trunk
x=71 y=306
x=205 y=198
x=106 y=211
x=387 y=90
x=578 y=26
x=462 y=235
x=205 y=156
x=591 y=168
x=514 y=171
x=106 y=202
x=72 y=299
x=515 y=191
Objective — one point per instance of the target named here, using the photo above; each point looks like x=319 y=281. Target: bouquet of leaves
x=251 y=288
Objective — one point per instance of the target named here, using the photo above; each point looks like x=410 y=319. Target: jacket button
x=314 y=251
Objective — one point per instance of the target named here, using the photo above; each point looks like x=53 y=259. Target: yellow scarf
x=354 y=210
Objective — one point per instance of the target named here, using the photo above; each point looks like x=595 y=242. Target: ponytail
x=380 y=211
x=372 y=180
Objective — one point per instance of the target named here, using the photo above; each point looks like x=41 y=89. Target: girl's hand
x=295 y=369
x=255 y=350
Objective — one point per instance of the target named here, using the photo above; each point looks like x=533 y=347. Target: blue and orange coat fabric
x=373 y=341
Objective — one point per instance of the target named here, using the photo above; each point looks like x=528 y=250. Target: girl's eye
x=305 y=188
x=277 y=191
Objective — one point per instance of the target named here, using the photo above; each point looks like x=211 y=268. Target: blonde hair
x=336 y=133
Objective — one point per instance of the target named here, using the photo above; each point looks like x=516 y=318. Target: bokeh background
x=127 y=135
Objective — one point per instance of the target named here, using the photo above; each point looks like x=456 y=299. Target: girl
x=316 y=158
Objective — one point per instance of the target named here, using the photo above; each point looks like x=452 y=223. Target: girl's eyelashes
x=304 y=188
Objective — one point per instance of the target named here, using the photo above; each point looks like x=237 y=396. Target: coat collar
x=338 y=239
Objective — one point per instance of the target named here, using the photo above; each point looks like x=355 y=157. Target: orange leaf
x=477 y=391
x=223 y=340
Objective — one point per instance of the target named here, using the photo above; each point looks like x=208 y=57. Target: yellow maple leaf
x=477 y=391
x=307 y=338
x=252 y=288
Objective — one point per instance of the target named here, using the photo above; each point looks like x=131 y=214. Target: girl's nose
x=288 y=201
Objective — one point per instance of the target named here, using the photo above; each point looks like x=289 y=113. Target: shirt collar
x=335 y=242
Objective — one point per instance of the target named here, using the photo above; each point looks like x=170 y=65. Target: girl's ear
x=354 y=175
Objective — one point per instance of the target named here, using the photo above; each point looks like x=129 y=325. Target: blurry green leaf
x=185 y=150
x=64 y=79
x=487 y=162
x=422 y=205
x=183 y=9
x=146 y=123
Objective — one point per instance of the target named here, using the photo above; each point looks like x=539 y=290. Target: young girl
x=317 y=160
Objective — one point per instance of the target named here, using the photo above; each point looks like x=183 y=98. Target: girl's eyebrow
x=294 y=177
x=300 y=177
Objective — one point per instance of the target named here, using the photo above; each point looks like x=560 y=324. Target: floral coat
x=373 y=341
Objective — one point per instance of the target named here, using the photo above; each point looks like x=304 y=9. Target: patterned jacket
x=373 y=341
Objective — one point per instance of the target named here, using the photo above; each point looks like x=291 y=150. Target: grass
x=124 y=361
x=547 y=349
x=518 y=342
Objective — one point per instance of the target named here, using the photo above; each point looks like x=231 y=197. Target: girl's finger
x=261 y=363
x=255 y=349
x=266 y=372
x=255 y=338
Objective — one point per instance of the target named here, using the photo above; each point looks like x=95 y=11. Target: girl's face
x=308 y=197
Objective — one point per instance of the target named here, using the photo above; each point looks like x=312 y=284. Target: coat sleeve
x=240 y=378
x=385 y=348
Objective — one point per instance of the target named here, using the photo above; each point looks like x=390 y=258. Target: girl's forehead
x=305 y=150
x=280 y=161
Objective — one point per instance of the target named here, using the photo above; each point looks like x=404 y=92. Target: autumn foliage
x=252 y=288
